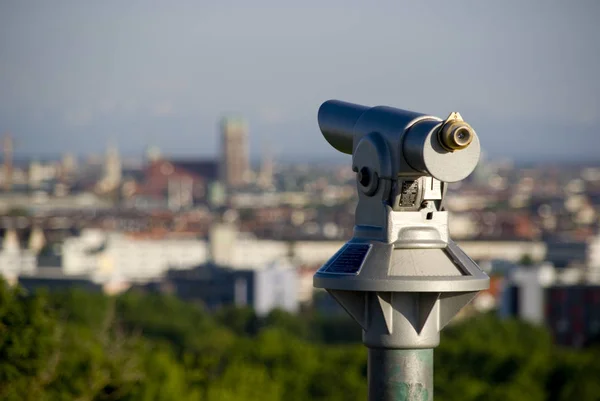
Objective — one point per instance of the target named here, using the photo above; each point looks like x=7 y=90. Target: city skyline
x=74 y=76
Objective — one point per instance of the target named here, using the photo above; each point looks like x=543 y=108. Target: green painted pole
x=400 y=374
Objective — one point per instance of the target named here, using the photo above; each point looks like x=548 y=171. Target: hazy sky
x=75 y=74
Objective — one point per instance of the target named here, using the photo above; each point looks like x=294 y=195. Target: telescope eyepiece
x=455 y=135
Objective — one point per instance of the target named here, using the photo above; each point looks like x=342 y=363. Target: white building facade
x=105 y=255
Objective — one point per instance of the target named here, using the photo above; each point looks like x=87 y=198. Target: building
x=7 y=145
x=112 y=174
x=240 y=250
x=593 y=256
x=108 y=255
x=305 y=283
x=153 y=153
x=510 y=250
x=573 y=314
x=265 y=176
x=237 y=250
x=271 y=287
x=68 y=167
x=41 y=202
x=235 y=163
x=53 y=279
x=174 y=184
x=560 y=299
x=13 y=259
x=523 y=294
x=563 y=253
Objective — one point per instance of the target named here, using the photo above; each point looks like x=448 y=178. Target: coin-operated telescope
x=400 y=276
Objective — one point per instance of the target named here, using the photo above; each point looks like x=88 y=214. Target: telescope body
x=400 y=276
x=416 y=144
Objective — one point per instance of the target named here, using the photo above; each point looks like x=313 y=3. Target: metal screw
x=364 y=177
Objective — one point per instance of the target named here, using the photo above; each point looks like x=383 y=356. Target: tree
x=491 y=359
x=18 y=212
x=76 y=345
x=27 y=340
x=526 y=260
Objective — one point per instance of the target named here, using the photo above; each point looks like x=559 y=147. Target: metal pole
x=400 y=375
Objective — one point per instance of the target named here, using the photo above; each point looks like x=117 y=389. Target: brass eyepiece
x=455 y=134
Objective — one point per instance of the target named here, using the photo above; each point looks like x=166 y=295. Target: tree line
x=74 y=345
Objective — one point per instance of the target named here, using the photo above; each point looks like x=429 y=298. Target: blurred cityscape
x=226 y=231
